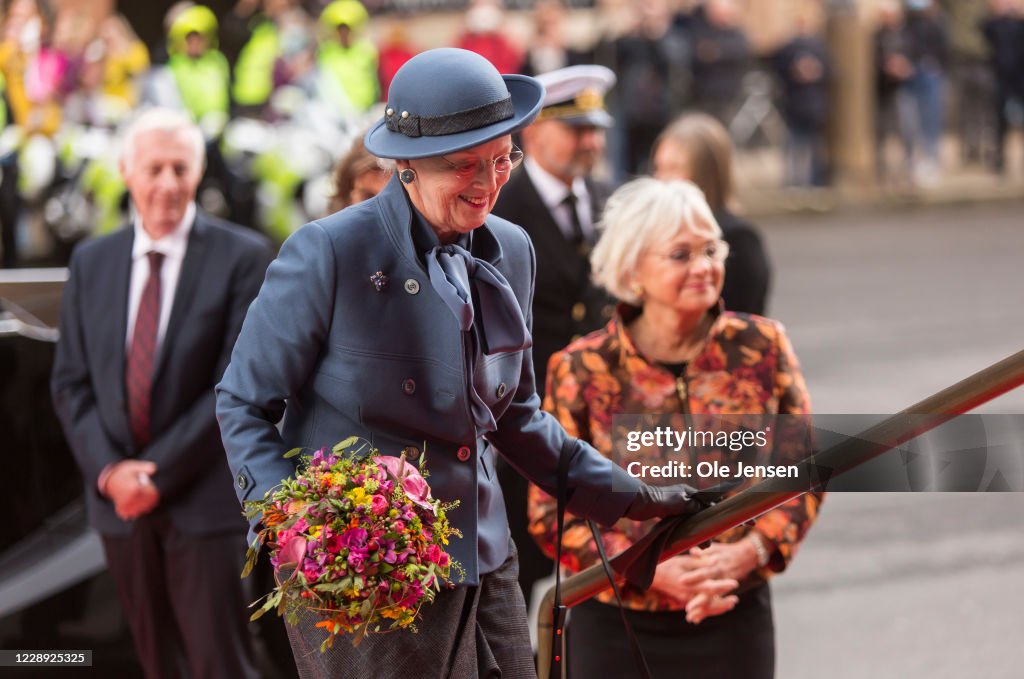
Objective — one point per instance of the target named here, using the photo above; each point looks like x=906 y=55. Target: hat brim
x=598 y=118
x=527 y=96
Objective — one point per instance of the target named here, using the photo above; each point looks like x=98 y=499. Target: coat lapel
x=114 y=289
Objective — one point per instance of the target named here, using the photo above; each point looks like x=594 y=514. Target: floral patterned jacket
x=747 y=367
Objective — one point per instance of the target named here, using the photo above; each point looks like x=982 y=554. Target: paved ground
x=885 y=308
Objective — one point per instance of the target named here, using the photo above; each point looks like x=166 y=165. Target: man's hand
x=131 y=489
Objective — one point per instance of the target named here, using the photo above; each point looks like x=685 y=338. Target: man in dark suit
x=558 y=203
x=149 y=317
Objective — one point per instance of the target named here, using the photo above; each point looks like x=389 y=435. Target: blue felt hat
x=446 y=100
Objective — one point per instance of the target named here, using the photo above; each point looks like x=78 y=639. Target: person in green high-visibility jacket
x=348 y=56
x=254 y=70
x=200 y=70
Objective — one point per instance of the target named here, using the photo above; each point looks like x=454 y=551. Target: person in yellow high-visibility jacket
x=347 y=55
x=200 y=70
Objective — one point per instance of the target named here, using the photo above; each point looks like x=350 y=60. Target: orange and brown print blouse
x=747 y=367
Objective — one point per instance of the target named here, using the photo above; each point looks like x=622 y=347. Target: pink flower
x=418 y=491
x=389 y=551
x=356 y=560
x=354 y=537
x=433 y=554
x=293 y=549
x=414 y=485
x=312 y=570
x=378 y=504
x=334 y=544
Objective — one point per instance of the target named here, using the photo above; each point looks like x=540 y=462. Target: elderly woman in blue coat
x=405 y=320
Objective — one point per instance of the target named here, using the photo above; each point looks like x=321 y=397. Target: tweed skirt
x=467 y=632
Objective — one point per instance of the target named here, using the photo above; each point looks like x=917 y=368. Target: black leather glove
x=653 y=502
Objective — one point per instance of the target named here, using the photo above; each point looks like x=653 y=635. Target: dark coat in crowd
x=928 y=39
x=721 y=58
x=889 y=42
x=1005 y=37
x=747 y=272
x=803 y=69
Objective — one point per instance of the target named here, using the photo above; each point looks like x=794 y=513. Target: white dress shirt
x=172 y=246
x=553 y=192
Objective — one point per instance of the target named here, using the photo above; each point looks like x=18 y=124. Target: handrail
x=965 y=395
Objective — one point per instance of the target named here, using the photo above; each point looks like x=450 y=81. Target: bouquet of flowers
x=356 y=538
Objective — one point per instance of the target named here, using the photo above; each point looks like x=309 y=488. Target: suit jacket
x=221 y=273
x=389 y=366
x=566 y=304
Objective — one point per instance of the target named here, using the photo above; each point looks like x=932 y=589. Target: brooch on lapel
x=379 y=280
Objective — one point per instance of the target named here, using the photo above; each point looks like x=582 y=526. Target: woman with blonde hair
x=672 y=351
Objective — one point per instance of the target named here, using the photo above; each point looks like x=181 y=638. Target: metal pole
x=942 y=406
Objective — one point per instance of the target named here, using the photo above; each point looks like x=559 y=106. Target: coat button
x=412 y=453
x=579 y=311
x=409 y=386
x=242 y=482
x=464 y=453
x=412 y=286
x=501 y=390
x=608 y=310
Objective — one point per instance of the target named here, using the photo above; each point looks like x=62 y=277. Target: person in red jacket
x=483 y=35
x=395 y=50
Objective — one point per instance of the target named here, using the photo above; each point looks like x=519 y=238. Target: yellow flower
x=315 y=531
x=358 y=496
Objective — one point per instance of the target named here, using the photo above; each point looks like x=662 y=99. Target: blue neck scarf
x=481 y=301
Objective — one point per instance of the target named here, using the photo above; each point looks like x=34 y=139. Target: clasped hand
x=131 y=489
x=703 y=579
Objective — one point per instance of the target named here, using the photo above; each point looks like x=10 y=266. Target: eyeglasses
x=502 y=164
x=715 y=251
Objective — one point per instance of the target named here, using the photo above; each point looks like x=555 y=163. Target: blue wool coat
x=334 y=356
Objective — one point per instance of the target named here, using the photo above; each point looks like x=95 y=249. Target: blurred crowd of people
x=918 y=55
x=281 y=88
